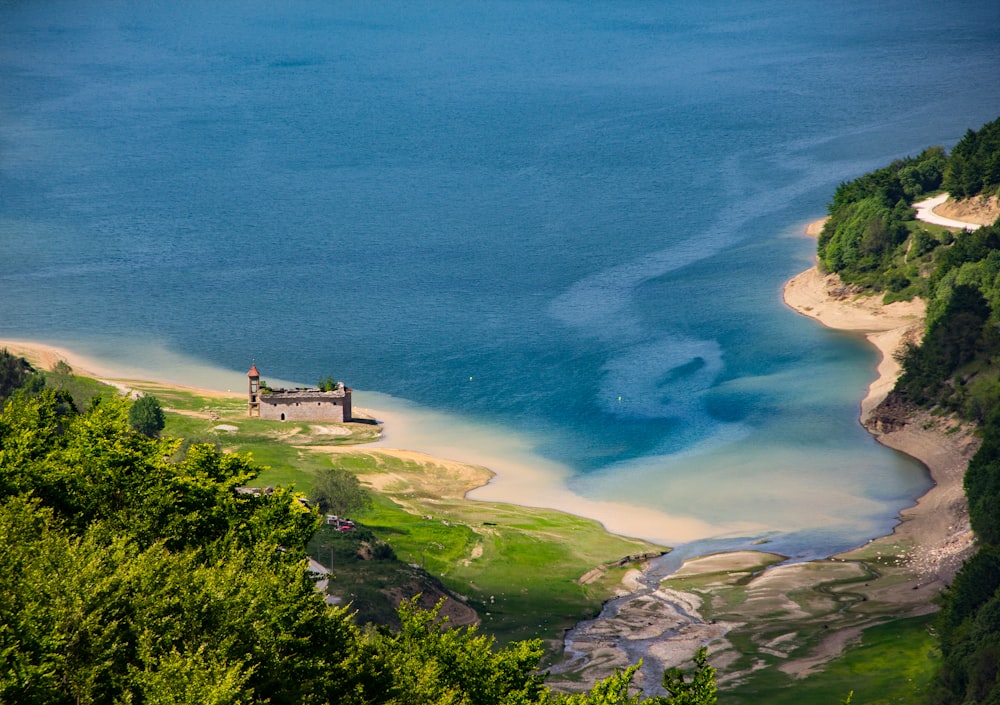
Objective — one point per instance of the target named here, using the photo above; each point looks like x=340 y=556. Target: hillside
x=983 y=210
x=953 y=373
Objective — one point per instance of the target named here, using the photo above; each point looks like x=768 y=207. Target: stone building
x=300 y=404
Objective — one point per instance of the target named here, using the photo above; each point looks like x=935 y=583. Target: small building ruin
x=299 y=404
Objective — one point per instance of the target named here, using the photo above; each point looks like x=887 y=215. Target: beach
x=936 y=528
x=517 y=474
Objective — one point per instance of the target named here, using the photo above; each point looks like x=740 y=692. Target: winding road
x=925 y=212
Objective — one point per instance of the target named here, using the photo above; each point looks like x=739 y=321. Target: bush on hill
x=865 y=238
x=146 y=416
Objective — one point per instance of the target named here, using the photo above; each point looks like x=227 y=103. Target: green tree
x=427 y=663
x=128 y=577
x=328 y=384
x=15 y=373
x=146 y=416
x=336 y=491
x=974 y=165
x=700 y=690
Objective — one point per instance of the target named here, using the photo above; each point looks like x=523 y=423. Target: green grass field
x=519 y=567
x=893 y=665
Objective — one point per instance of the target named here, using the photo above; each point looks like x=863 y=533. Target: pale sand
x=519 y=476
x=938 y=524
x=44 y=356
x=516 y=474
x=824 y=298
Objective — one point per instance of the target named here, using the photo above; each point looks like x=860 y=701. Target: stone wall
x=306 y=405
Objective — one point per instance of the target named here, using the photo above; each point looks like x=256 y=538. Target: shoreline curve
x=935 y=530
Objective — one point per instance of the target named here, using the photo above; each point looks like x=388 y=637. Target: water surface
x=556 y=228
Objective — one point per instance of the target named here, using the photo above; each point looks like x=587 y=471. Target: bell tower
x=253 y=400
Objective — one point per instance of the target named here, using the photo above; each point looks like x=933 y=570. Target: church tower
x=253 y=402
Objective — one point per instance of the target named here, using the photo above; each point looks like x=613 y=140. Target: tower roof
x=253 y=371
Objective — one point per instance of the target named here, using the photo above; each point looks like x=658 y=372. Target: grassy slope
x=892 y=664
x=519 y=567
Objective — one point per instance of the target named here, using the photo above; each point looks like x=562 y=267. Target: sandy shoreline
x=818 y=296
x=824 y=298
x=517 y=475
x=936 y=527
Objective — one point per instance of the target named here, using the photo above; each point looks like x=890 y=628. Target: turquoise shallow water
x=565 y=225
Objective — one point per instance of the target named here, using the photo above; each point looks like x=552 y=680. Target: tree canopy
x=337 y=491
x=131 y=576
x=15 y=373
x=974 y=165
x=952 y=370
x=146 y=416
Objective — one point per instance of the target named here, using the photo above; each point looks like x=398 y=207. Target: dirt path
x=925 y=212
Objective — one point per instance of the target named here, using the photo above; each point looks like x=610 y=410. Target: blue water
x=563 y=224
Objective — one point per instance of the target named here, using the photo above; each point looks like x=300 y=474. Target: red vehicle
x=340 y=524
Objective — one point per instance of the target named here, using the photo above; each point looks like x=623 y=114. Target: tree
x=146 y=416
x=700 y=690
x=15 y=373
x=337 y=491
x=426 y=663
x=327 y=384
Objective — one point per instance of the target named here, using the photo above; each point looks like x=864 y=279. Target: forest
x=133 y=571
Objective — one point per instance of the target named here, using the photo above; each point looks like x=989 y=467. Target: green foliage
x=974 y=165
x=969 y=626
x=426 y=663
x=982 y=399
x=700 y=690
x=98 y=618
x=954 y=368
x=613 y=690
x=15 y=374
x=146 y=416
x=327 y=384
x=864 y=238
x=954 y=337
x=924 y=174
x=130 y=578
x=856 y=237
x=982 y=485
x=337 y=491
x=922 y=242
